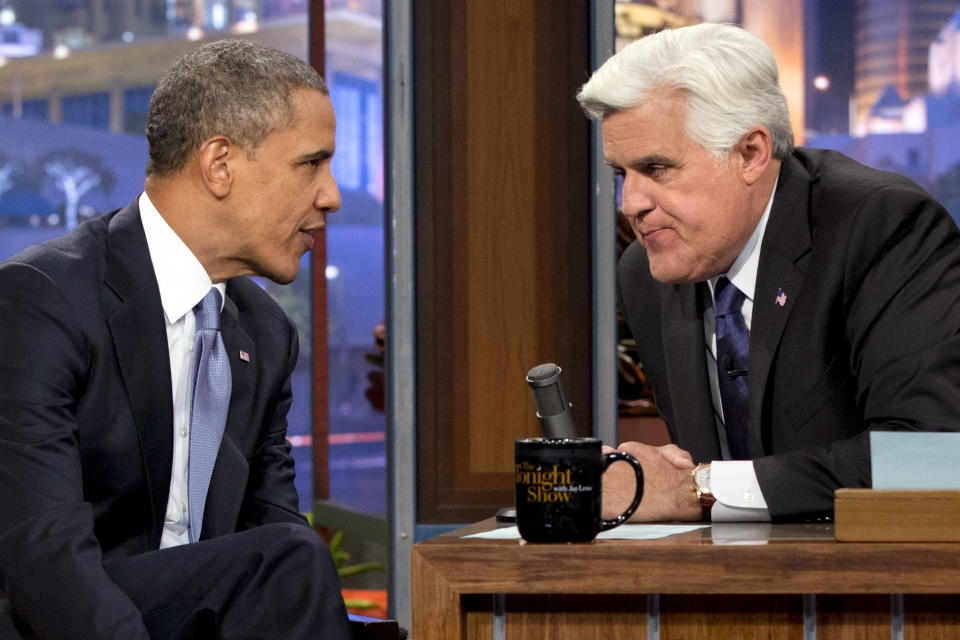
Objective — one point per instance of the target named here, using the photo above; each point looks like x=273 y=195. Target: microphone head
x=544 y=381
x=543 y=375
x=553 y=410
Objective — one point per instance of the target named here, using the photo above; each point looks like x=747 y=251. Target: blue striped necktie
x=733 y=355
x=211 y=400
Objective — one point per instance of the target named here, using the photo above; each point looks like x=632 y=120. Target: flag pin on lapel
x=781 y=297
x=245 y=356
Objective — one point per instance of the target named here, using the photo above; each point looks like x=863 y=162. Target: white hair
x=727 y=76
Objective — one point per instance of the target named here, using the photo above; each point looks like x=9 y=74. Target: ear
x=215 y=156
x=755 y=149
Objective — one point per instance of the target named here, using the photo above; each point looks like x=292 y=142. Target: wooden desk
x=729 y=581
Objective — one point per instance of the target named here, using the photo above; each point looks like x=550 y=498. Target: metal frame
x=604 y=250
x=401 y=309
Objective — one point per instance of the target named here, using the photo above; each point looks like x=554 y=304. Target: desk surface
x=750 y=581
x=725 y=558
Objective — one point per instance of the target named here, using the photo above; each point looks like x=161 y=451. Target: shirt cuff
x=735 y=487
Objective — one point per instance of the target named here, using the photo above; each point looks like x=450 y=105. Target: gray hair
x=727 y=76
x=234 y=88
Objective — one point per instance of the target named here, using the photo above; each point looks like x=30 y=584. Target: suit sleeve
x=900 y=362
x=272 y=495
x=50 y=560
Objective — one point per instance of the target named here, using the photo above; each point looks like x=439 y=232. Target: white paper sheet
x=623 y=532
x=915 y=460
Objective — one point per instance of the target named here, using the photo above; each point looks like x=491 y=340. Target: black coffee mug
x=559 y=484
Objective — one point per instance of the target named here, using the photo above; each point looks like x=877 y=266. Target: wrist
x=700 y=477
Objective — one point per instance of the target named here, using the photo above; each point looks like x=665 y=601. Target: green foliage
x=341 y=557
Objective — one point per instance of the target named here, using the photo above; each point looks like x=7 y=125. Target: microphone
x=553 y=410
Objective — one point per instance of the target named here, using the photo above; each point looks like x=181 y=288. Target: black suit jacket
x=869 y=336
x=86 y=422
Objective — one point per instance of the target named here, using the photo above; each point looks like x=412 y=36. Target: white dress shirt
x=734 y=482
x=183 y=282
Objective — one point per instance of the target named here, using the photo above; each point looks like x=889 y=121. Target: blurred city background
x=76 y=78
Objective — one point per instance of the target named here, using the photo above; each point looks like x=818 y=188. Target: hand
x=380 y=336
x=667 y=484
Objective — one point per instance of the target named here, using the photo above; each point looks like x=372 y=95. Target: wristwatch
x=701 y=486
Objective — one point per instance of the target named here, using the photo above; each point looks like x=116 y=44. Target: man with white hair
x=785 y=301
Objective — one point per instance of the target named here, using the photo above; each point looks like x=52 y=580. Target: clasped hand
x=668 y=484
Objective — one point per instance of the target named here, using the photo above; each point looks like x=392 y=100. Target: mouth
x=309 y=236
x=310 y=232
x=652 y=236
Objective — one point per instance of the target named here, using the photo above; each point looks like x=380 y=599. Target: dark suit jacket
x=869 y=336
x=86 y=422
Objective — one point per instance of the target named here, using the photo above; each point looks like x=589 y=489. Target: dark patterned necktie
x=733 y=354
x=210 y=402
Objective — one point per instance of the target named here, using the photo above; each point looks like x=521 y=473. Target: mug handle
x=608 y=459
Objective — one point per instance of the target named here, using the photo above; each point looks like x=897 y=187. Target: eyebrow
x=645 y=162
x=322 y=154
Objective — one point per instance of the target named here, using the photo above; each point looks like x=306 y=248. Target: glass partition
x=75 y=82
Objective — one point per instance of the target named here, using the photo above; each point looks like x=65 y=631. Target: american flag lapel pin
x=781 y=297
x=245 y=356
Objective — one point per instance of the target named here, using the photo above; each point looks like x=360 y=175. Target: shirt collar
x=743 y=271
x=182 y=280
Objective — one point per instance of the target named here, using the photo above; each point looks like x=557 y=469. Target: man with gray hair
x=785 y=301
x=146 y=484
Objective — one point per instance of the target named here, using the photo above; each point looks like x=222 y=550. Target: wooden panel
x=650 y=430
x=579 y=617
x=478 y=617
x=559 y=617
x=499 y=257
x=436 y=606
x=872 y=515
x=853 y=617
x=503 y=237
x=731 y=617
x=794 y=559
x=931 y=617
x=709 y=590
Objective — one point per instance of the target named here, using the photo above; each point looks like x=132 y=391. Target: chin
x=678 y=272
x=280 y=276
x=667 y=276
x=284 y=278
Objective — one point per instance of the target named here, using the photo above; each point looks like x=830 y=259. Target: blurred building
x=17 y=41
x=920 y=136
x=893 y=39
x=106 y=82
x=775 y=21
x=81 y=24
x=828 y=66
x=943 y=102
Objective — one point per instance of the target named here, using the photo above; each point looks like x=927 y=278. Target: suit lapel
x=685 y=360
x=231 y=470
x=780 y=275
x=136 y=322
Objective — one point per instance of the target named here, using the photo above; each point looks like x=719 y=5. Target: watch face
x=702 y=478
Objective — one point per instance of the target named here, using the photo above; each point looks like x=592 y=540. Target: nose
x=635 y=198
x=327 y=198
